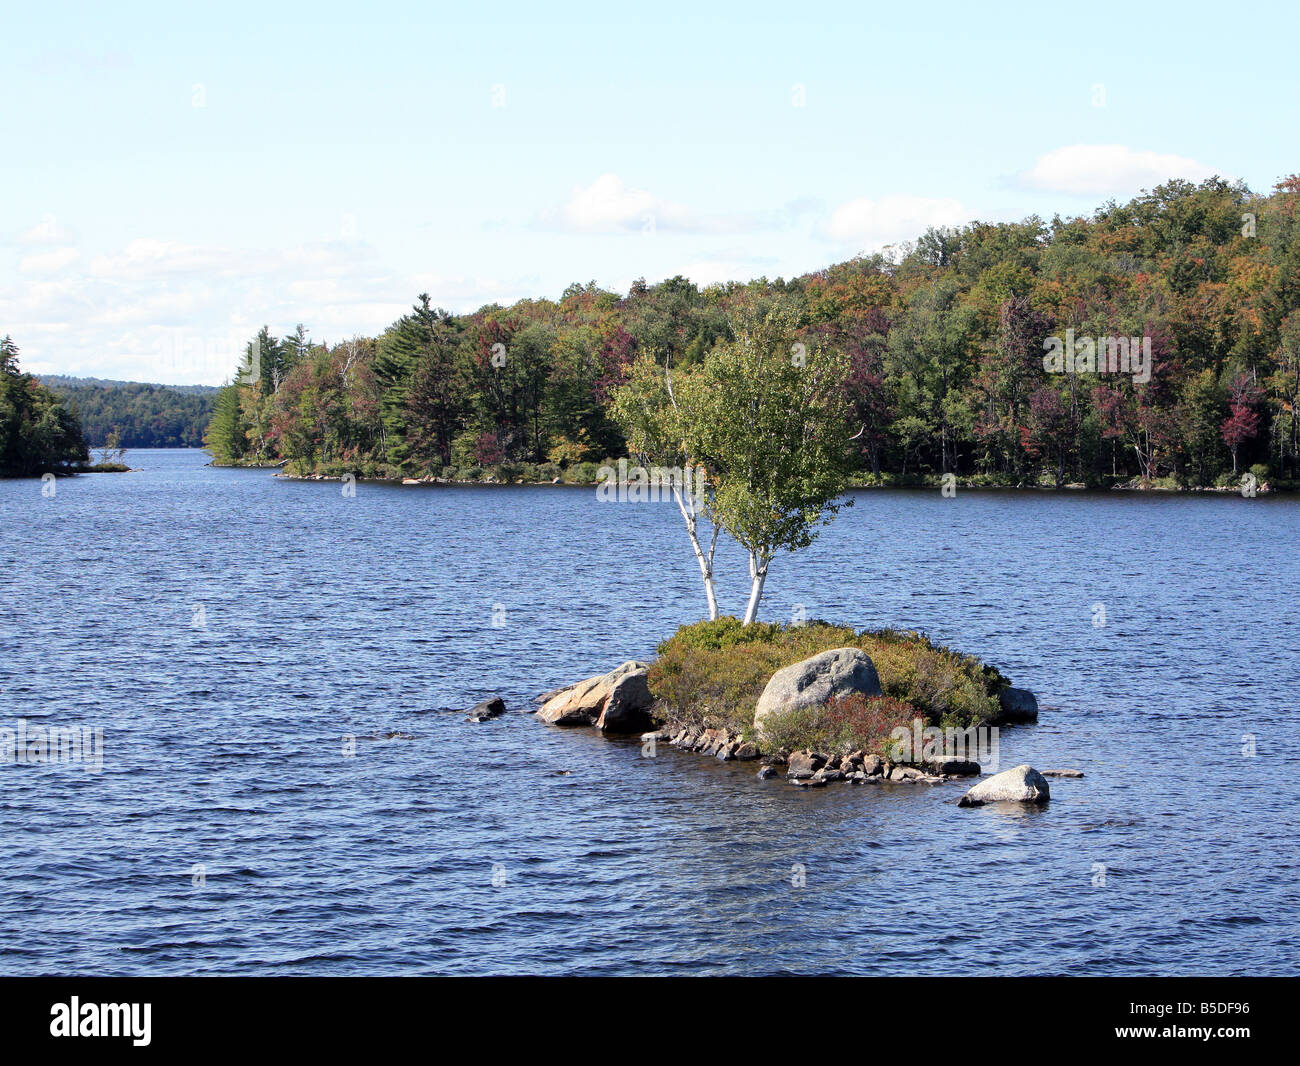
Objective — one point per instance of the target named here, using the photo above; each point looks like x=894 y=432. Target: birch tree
x=771 y=422
x=656 y=408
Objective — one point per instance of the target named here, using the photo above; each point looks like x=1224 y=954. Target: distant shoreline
x=936 y=485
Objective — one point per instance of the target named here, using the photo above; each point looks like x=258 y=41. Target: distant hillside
x=144 y=414
x=59 y=381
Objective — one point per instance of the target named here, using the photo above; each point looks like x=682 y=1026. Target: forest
x=142 y=415
x=38 y=433
x=945 y=343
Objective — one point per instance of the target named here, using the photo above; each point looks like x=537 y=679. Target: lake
x=228 y=631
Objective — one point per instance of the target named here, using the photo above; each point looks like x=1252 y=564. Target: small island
x=816 y=702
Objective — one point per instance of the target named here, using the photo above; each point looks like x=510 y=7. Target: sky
x=176 y=176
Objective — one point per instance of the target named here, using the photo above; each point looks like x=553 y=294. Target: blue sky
x=174 y=178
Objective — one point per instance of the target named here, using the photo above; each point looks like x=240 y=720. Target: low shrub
x=505 y=473
x=851 y=723
x=718 y=670
x=582 y=474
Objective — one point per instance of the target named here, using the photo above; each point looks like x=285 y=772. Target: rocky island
x=815 y=703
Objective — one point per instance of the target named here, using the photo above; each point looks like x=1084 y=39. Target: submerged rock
x=616 y=702
x=1020 y=784
x=487 y=710
x=816 y=681
x=1062 y=773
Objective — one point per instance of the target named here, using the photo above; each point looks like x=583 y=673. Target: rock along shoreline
x=620 y=704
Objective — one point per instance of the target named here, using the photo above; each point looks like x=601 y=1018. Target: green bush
x=506 y=473
x=724 y=632
x=582 y=474
x=853 y=723
x=469 y=473
x=1260 y=470
x=718 y=670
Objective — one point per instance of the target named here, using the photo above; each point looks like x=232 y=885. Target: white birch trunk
x=705 y=559
x=758 y=575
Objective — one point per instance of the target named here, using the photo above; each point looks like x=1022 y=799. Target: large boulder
x=805 y=763
x=616 y=702
x=1020 y=784
x=1016 y=706
x=816 y=681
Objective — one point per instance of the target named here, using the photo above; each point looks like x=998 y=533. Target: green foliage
x=719 y=669
x=724 y=632
x=944 y=345
x=768 y=419
x=38 y=433
x=225 y=437
x=582 y=474
x=144 y=416
x=852 y=723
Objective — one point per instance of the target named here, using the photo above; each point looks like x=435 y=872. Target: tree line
x=942 y=346
x=38 y=432
x=142 y=415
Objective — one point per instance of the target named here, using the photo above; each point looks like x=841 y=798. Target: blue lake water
x=227 y=630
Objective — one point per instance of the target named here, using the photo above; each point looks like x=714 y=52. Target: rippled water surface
x=226 y=630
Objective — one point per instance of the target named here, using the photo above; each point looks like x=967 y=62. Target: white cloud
x=154 y=259
x=46 y=231
x=609 y=205
x=159 y=310
x=870 y=224
x=1109 y=169
x=48 y=262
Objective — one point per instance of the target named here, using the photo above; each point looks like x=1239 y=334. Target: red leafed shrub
x=851 y=723
x=862 y=722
